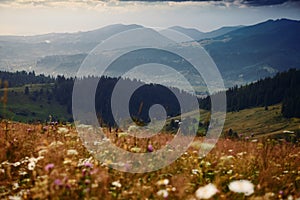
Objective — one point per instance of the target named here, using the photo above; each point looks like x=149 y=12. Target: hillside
x=282 y=88
x=257 y=51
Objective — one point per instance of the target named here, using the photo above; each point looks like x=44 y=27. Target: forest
x=282 y=88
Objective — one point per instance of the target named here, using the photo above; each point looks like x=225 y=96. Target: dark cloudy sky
x=27 y=17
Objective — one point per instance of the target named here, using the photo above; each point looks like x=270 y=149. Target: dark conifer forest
x=282 y=88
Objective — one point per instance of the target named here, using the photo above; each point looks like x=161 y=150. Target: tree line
x=283 y=88
x=20 y=78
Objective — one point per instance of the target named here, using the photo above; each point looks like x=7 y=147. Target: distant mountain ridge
x=257 y=51
x=198 y=35
x=242 y=53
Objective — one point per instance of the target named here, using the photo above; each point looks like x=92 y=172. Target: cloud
x=233 y=2
x=96 y=2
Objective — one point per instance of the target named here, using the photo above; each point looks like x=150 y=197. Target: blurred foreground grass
x=50 y=162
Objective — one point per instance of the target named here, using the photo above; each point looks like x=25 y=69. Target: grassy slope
x=261 y=122
x=258 y=121
x=255 y=120
x=21 y=107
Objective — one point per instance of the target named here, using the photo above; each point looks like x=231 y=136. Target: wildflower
x=72 y=152
x=56 y=144
x=150 y=148
x=163 y=193
x=57 y=182
x=96 y=143
x=163 y=182
x=195 y=171
x=22 y=173
x=122 y=134
x=242 y=186
x=67 y=161
x=116 y=184
x=206 y=192
x=227 y=157
x=16 y=164
x=15 y=186
x=14 y=198
x=88 y=164
x=42 y=152
x=31 y=165
x=49 y=167
x=135 y=149
x=62 y=130
x=45 y=128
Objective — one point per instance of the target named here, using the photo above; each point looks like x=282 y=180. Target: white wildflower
x=242 y=186
x=195 y=171
x=22 y=173
x=56 y=144
x=97 y=143
x=206 y=192
x=62 y=130
x=15 y=186
x=116 y=184
x=67 y=161
x=105 y=139
x=31 y=166
x=122 y=134
x=16 y=164
x=163 y=182
x=135 y=149
x=72 y=152
x=14 y=198
x=226 y=157
x=163 y=193
x=82 y=161
x=42 y=152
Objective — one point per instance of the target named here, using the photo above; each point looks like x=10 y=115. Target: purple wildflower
x=150 y=148
x=88 y=164
x=57 y=182
x=49 y=166
x=281 y=192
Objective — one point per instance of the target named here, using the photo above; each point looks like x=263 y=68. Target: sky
x=31 y=17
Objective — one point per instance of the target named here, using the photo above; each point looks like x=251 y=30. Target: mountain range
x=243 y=54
